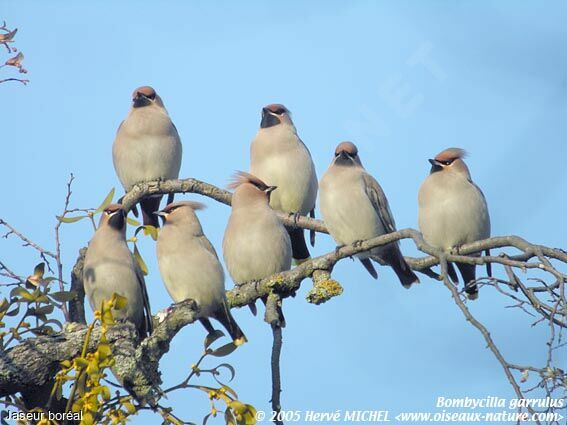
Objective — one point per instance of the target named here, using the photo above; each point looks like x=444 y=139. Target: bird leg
x=455 y=250
x=357 y=244
x=295 y=216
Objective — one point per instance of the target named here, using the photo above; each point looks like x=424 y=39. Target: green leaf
x=148 y=230
x=212 y=337
x=106 y=202
x=246 y=412
x=230 y=390
x=225 y=350
x=140 y=260
x=22 y=293
x=63 y=296
x=39 y=270
x=43 y=330
x=4 y=305
x=46 y=309
x=132 y=222
x=120 y=302
x=70 y=219
x=229 y=417
x=227 y=366
x=55 y=322
x=129 y=407
x=14 y=311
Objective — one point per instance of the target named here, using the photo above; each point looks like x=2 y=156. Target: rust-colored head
x=113 y=216
x=248 y=187
x=145 y=96
x=450 y=160
x=274 y=114
x=179 y=210
x=346 y=154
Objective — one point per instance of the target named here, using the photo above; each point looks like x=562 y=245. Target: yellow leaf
x=80 y=362
x=130 y=407
x=87 y=419
x=132 y=222
x=70 y=219
x=106 y=202
x=152 y=231
x=140 y=261
x=119 y=301
x=39 y=270
x=105 y=393
x=104 y=351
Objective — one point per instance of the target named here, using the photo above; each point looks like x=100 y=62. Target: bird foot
x=456 y=250
x=295 y=216
x=357 y=244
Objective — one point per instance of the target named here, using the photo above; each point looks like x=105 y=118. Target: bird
x=190 y=267
x=355 y=208
x=453 y=211
x=147 y=147
x=110 y=267
x=255 y=244
x=279 y=158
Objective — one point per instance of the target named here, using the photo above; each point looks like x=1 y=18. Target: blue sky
x=495 y=84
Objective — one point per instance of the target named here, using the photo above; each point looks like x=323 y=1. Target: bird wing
x=207 y=245
x=145 y=298
x=379 y=202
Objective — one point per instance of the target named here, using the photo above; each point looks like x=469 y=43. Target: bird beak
x=435 y=165
x=162 y=215
x=270 y=189
x=269 y=119
x=140 y=100
x=342 y=158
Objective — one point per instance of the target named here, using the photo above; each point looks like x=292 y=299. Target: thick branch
x=196 y=186
x=35 y=360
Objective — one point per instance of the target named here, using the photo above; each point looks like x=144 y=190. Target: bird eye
x=151 y=96
x=279 y=111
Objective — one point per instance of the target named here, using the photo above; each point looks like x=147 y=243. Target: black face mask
x=269 y=120
x=117 y=220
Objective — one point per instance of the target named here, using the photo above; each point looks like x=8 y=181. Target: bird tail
x=468 y=271
x=394 y=258
x=149 y=206
x=299 y=249
x=312 y=233
x=369 y=267
x=225 y=318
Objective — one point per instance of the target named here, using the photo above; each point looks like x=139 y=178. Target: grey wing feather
x=145 y=297
x=379 y=202
x=208 y=245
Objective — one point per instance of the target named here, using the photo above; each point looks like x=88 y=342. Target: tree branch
x=137 y=365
